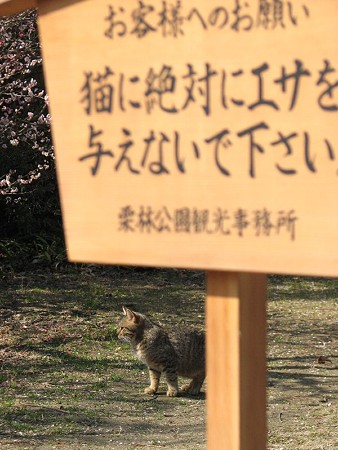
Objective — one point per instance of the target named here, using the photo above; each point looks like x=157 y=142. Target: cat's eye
x=125 y=329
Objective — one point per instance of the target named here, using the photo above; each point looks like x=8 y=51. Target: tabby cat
x=180 y=351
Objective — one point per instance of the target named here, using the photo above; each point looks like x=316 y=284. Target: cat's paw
x=191 y=389
x=150 y=391
x=172 y=392
x=185 y=387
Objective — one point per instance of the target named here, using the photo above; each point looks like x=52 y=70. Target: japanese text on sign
x=107 y=91
x=207 y=88
x=171 y=19
x=152 y=152
x=263 y=222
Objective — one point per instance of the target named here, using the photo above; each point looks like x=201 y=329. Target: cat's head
x=130 y=327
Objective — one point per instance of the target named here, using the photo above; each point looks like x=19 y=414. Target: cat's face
x=130 y=326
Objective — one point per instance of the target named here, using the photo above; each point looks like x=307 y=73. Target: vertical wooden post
x=236 y=361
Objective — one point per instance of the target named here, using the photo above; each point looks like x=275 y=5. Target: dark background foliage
x=30 y=225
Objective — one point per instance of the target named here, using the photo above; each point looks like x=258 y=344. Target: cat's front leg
x=172 y=382
x=154 y=376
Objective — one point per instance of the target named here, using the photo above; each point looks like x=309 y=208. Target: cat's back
x=186 y=336
x=189 y=345
x=155 y=341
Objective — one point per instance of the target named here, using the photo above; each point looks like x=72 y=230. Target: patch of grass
x=67 y=381
x=302 y=314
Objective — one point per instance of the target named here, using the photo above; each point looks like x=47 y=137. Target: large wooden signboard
x=196 y=134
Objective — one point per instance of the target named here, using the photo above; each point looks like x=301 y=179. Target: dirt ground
x=66 y=382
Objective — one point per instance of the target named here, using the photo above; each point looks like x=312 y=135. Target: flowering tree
x=28 y=187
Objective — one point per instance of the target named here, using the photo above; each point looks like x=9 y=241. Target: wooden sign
x=196 y=134
x=10 y=7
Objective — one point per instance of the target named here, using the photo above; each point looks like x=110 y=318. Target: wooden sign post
x=201 y=135
x=236 y=361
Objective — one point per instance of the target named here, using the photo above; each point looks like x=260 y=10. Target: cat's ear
x=130 y=314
